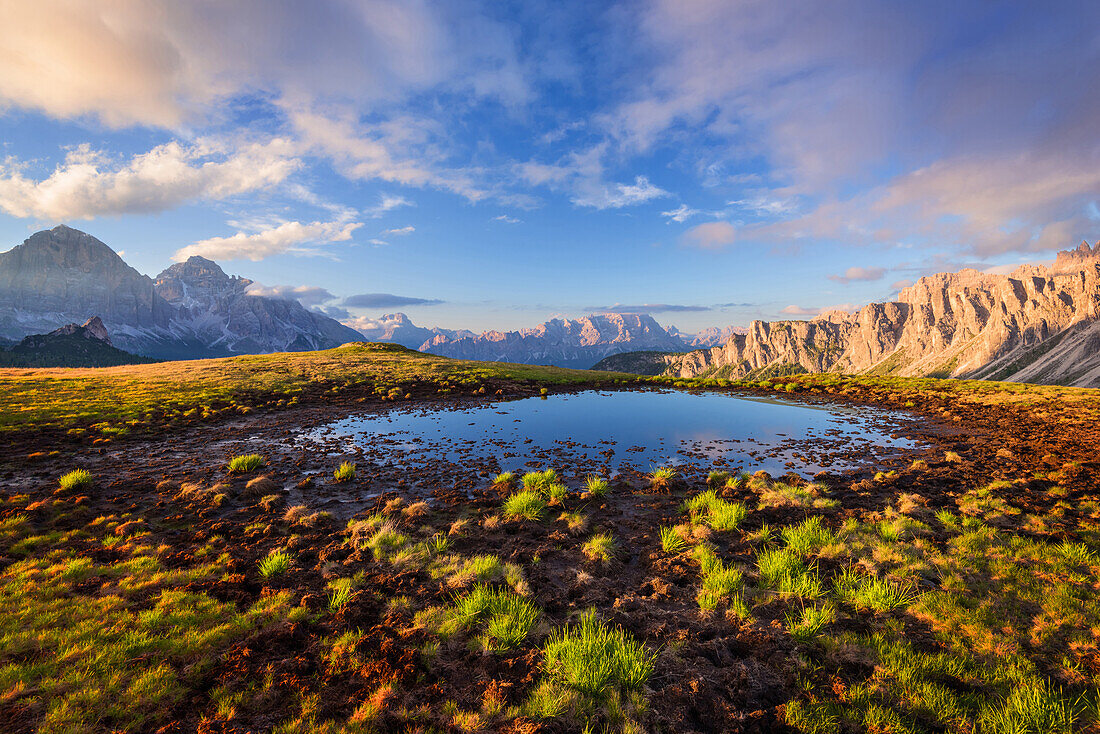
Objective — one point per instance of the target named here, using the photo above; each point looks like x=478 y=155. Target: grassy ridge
x=129 y=396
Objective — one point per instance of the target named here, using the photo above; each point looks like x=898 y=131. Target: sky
x=490 y=165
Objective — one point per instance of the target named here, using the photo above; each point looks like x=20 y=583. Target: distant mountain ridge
x=399 y=329
x=193 y=309
x=576 y=343
x=1036 y=324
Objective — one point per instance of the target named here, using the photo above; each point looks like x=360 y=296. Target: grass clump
x=783 y=570
x=716 y=512
x=870 y=592
x=788 y=495
x=808 y=623
x=596 y=486
x=600 y=547
x=1034 y=708
x=672 y=542
x=275 y=563
x=719 y=583
x=344 y=473
x=246 y=463
x=75 y=480
x=505 y=619
x=808 y=537
x=662 y=477
x=504 y=479
x=540 y=481
x=596 y=659
x=525 y=505
x=576 y=522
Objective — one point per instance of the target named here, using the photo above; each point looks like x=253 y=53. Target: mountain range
x=1037 y=324
x=192 y=309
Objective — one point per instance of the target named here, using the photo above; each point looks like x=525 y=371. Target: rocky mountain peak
x=92 y=329
x=1071 y=260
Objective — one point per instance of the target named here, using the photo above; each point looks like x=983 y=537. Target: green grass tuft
x=870 y=592
x=77 y=479
x=595 y=659
x=246 y=463
x=526 y=505
x=276 y=562
x=672 y=542
x=596 y=486
x=344 y=473
x=600 y=547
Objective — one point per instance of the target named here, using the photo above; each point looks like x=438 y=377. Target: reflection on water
x=609 y=431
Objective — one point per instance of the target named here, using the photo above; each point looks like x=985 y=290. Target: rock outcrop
x=72 y=345
x=1037 y=325
x=577 y=343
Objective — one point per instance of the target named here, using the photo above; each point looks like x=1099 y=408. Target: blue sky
x=491 y=165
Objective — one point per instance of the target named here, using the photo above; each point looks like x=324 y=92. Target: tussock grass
x=596 y=486
x=77 y=479
x=595 y=659
x=275 y=563
x=344 y=473
x=601 y=547
x=783 y=570
x=505 y=619
x=812 y=496
x=870 y=592
x=718 y=582
x=672 y=542
x=808 y=623
x=525 y=505
x=246 y=463
x=576 y=522
x=716 y=512
x=540 y=481
x=663 y=477
x=808 y=537
x=506 y=478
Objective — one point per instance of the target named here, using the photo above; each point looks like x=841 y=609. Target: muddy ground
x=714 y=674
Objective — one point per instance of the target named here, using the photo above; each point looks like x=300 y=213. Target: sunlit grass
x=246 y=463
x=593 y=658
x=344 y=473
x=600 y=547
x=77 y=479
x=525 y=505
x=275 y=563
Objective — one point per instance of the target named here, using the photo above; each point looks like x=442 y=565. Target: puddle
x=622 y=431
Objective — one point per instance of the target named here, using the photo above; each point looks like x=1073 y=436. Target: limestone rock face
x=63 y=276
x=216 y=310
x=1037 y=324
x=577 y=343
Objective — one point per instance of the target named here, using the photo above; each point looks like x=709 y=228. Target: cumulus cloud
x=386 y=300
x=289 y=237
x=648 y=308
x=90 y=183
x=307 y=295
x=710 y=235
x=858 y=274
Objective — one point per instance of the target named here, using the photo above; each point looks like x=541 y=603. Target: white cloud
x=387 y=203
x=307 y=295
x=710 y=235
x=506 y=219
x=762 y=205
x=168 y=64
x=290 y=237
x=400 y=231
x=857 y=273
x=681 y=213
x=616 y=196
x=794 y=310
x=90 y=184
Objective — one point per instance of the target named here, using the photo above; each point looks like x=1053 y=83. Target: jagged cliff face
x=216 y=310
x=194 y=309
x=577 y=343
x=1037 y=324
